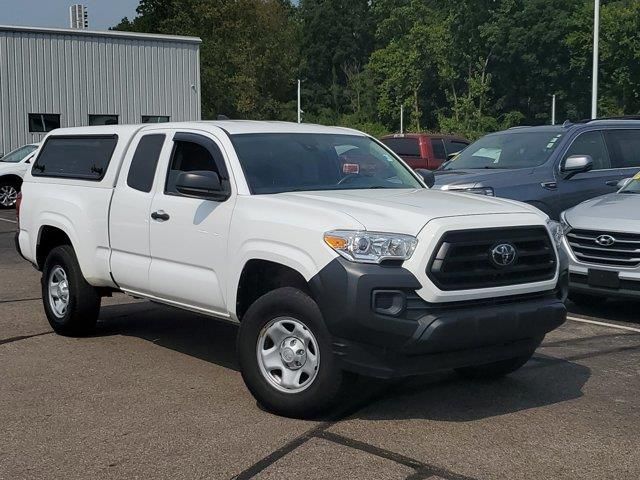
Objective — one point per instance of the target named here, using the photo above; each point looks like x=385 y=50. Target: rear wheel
x=70 y=303
x=495 y=369
x=8 y=193
x=285 y=355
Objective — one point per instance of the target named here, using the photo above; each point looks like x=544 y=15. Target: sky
x=55 y=13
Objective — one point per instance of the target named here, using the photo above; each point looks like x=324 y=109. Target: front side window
x=438 y=148
x=454 y=146
x=592 y=144
x=85 y=157
x=276 y=163
x=189 y=157
x=155 y=119
x=43 y=122
x=508 y=150
x=18 y=154
x=103 y=120
x=624 y=146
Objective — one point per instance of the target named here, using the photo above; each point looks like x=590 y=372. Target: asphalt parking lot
x=156 y=394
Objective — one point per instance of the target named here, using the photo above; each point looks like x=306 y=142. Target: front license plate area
x=603 y=279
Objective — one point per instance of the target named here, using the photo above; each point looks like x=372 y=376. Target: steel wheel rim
x=8 y=195
x=58 y=290
x=288 y=355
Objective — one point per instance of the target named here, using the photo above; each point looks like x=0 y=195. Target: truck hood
x=618 y=212
x=404 y=211
x=13 y=168
x=474 y=177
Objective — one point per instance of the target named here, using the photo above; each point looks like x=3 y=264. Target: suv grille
x=485 y=258
x=605 y=248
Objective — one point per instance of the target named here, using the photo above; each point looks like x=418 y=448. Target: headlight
x=371 y=247
x=557 y=230
x=478 y=190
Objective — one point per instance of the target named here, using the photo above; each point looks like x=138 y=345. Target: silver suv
x=602 y=238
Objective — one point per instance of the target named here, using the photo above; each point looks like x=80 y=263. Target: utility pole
x=401 y=119
x=299 y=109
x=553 y=109
x=596 y=42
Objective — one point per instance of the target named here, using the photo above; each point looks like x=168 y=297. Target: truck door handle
x=160 y=215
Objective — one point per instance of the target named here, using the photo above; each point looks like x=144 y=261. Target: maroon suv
x=425 y=150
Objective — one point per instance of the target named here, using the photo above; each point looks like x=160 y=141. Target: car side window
x=438 y=148
x=624 y=146
x=454 y=146
x=144 y=162
x=591 y=143
x=188 y=157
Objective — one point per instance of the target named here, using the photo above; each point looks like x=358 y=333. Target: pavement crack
x=16 y=300
x=23 y=337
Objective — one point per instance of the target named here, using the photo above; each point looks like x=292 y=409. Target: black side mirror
x=427 y=175
x=201 y=184
x=576 y=164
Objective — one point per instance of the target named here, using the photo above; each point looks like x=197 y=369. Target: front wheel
x=9 y=190
x=70 y=303
x=284 y=352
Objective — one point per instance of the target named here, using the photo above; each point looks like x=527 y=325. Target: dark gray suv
x=551 y=167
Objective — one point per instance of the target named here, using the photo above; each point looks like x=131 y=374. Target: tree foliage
x=460 y=66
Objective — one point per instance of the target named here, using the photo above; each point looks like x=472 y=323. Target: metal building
x=52 y=78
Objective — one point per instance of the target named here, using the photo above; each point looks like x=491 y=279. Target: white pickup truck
x=329 y=252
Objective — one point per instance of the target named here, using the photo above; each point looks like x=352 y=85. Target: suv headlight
x=558 y=230
x=371 y=247
x=478 y=190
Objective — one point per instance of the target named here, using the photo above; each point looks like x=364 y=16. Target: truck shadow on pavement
x=443 y=396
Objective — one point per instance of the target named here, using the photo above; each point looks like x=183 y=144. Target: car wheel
x=495 y=369
x=72 y=305
x=8 y=193
x=285 y=355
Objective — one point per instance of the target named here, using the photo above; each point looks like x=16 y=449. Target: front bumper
x=423 y=337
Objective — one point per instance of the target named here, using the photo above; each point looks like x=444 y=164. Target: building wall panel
x=76 y=74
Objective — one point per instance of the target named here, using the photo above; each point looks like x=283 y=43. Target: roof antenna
x=223 y=117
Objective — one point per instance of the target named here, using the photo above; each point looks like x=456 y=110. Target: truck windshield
x=507 y=150
x=279 y=162
x=18 y=154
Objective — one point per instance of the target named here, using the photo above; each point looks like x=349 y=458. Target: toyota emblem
x=605 y=240
x=504 y=254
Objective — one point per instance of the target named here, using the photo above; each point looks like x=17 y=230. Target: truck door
x=130 y=208
x=188 y=233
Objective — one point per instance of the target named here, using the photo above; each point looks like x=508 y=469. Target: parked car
x=330 y=253
x=603 y=244
x=551 y=167
x=423 y=150
x=13 y=167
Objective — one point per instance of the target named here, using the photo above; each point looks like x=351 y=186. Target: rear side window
x=624 y=146
x=403 y=146
x=144 y=162
x=85 y=157
x=454 y=146
x=438 y=148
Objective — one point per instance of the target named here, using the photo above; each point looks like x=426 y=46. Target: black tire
x=327 y=384
x=494 y=370
x=585 y=300
x=6 y=183
x=83 y=308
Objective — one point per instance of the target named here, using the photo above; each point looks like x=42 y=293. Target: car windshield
x=633 y=186
x=507 y=150
x=278 y=162
x=18 y=154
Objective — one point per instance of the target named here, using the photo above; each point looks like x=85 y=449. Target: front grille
x=463 y=258
x=623 y=252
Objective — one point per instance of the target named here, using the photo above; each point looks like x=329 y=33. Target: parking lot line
x=604 y=324
x=7 y=220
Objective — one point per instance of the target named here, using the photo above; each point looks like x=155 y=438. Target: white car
x=328 y=251
x=13 y=167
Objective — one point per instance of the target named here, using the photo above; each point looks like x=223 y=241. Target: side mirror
x=201 y=184
x=576 y=164
x=427 y=175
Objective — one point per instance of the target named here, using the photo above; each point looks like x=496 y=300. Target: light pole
x=299 y=109
x=401 y=119
x=553 y=109
x=596 y=41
